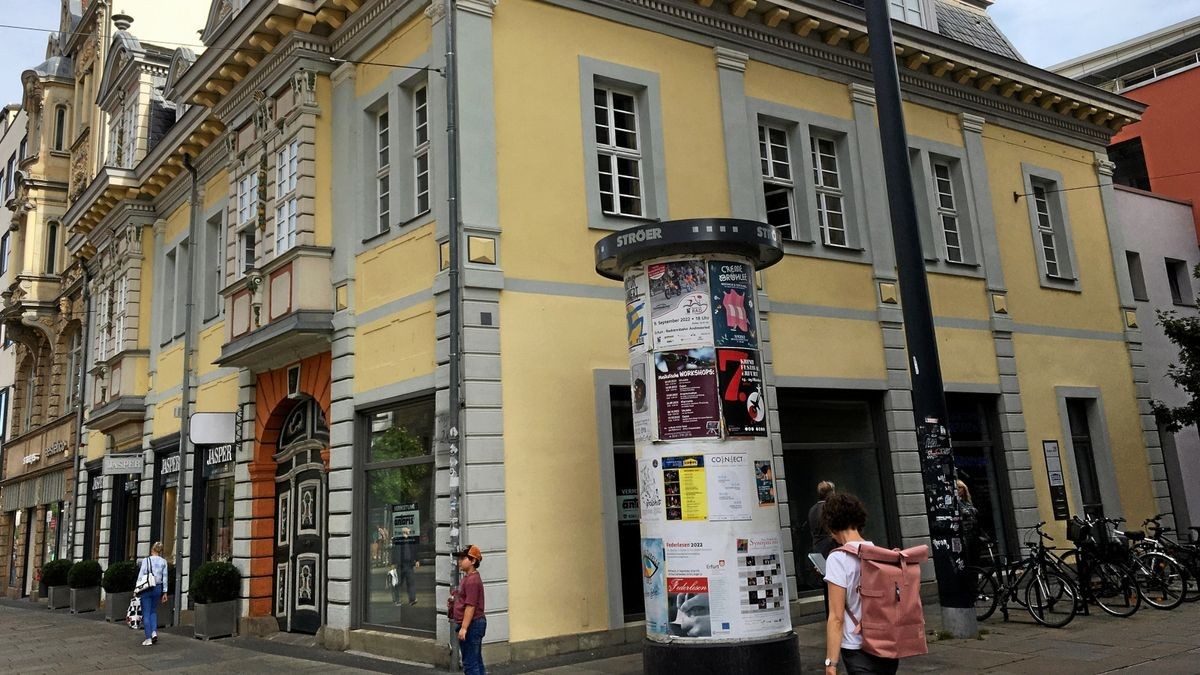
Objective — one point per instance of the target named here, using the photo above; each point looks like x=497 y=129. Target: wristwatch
x=829 y=663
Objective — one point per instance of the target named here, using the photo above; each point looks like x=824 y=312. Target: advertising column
x=712 y=548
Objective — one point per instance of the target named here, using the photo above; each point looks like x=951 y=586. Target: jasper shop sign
x=217 y=459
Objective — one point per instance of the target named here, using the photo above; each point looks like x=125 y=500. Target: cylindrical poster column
x=712 y=547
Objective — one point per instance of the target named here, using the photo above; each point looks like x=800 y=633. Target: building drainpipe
x=185 y=406
x=455 y=264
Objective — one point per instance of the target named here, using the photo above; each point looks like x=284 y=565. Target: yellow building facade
x=320 y=313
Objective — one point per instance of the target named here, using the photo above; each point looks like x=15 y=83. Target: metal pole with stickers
x=712 y=562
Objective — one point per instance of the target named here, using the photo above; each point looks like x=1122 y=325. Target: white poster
x=731 y=491
x=643 y=427
x=762 y=589
x=650 y=491
x=635 y=310
x=680 y=313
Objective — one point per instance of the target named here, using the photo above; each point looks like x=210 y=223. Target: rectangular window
x=247 y=221
x=180 y=289
x=831 y=211
x=104 y=321
x=12 y=174
x=1045 y=227
x=5 y=249
x=778 y=186
x=1137 y=278
x=4 y=394
x=618 y=152
x=287 y=166
x=3 y=183
x=214 y=254
x=119 y=314
x=399 y=519
x=247 y=258
x=129 y=142
x=285 y=226
x=421 y=149
x=947 y=210
x=218 y=519
x=1181 y=285
x=906 y=10
x=383 y=171
x=168 y=297
x=287 y=169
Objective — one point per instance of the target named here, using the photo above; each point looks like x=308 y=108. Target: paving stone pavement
x=34 y=640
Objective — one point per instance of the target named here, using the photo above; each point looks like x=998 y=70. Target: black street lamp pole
x=929 y=403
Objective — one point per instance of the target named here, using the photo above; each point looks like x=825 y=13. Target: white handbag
x=145 y=581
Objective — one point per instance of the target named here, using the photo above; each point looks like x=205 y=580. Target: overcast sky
x=1046 y=32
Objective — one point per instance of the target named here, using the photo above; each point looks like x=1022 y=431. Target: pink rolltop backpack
x=893 y=621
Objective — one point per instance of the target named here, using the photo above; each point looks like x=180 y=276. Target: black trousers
x=858 y=662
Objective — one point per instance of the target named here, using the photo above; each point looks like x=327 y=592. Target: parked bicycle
x=1033 y=583
x=1096 y=566
x=1187 y=554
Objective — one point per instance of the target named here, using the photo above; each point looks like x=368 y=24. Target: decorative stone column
x=712 y=547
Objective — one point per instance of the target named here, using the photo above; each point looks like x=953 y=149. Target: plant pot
x=166 y=612
x=216 y=619
x=85 y=599
x=58 y=597
x=116 y=605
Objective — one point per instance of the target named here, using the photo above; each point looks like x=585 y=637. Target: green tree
x=1184 y=331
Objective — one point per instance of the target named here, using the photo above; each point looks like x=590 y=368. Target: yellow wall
x=403 y=46
x=400 y=347
x=376 y=271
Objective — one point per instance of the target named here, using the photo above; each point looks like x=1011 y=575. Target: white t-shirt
x=843 y=569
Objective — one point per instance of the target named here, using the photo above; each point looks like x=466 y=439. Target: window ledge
x=615 y=223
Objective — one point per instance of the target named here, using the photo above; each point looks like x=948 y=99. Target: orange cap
x=471 y=551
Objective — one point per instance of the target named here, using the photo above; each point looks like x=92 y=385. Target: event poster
x=743 y=397
x=764 y=482
x=635 y=309
x=730 y=487
x=650 y=491
x=762 y=595
x=641 y=401
x=694 y=583
x=734 y=320
x=654 y=586
x=679 y=304
x=686 y=394
x=685 y=487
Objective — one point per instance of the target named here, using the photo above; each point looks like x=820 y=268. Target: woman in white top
x=153 y=564
x=844 y=516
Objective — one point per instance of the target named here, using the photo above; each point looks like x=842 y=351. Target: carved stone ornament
x=230 y=141
x=304 y=87
x=264 y=113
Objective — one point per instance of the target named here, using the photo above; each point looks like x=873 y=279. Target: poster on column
x=731 y=490
x=764 y=481
x=761 y=594
x=679 y=304
x=697 y=601
x=651 y=501
x=734 y=319
x=654 y=586
x=729 y=586
x=743 y=397
x=685 y=394
x=685 y=487
x=635 y=309
x=641 y=399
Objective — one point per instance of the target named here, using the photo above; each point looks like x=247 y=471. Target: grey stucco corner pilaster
x=739 y=132
x=981 y=199
x=870 y=158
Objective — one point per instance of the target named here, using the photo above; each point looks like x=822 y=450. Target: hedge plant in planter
x=84 y=579
x=118 y=583
x=215 y=587
x=54 y=575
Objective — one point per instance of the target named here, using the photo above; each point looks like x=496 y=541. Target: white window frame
x=827 y=191
x=422 y=161
x=247 y=221
x=610 y=153
x=778 y=175
x=119 y=315
x=103 y=324
x=1050 y=223
x=287 y=171
x=383 y=170
x=1047 y=237
x=949 y=224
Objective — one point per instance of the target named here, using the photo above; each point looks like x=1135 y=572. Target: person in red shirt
x=466 y=610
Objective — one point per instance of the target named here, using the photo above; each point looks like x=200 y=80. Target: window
x=60 y=127
x=120 y=311
x=1177 y=278
x=1130 y=161
x=179 y=302
x=51 y=247
x=12 y=174
x=287 y=163
x=1137 y=278
x=778 y=186
x=618 y=153
x=1045 y=226
x=398 y=521
x=4 y=394
x=129 y=140
x=5 y=249
x=831 y=213
x=22 y=149
x=947 y=210
x=421 y=149
x=30 y=400
x=168 y=297
x=906 y=10
x=218 y=519
x=214 y=253
x=247 y=219
x=383 y=173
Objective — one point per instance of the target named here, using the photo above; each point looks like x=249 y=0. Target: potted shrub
x=119 y=580
x=54 y=575
x=84 y=580
x=214 y=588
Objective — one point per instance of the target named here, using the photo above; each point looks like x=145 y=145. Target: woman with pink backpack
x=875 y=613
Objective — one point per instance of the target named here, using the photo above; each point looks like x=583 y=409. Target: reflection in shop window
x=12 y=547
x=399 y=528
x=218 y=520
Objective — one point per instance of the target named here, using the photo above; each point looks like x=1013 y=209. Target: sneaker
x=147 y=642
x=154 y=638
x=412 y=603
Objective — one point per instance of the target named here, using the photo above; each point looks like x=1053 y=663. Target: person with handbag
x=151 y=590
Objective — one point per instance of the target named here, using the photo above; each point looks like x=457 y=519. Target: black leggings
x=859 y=662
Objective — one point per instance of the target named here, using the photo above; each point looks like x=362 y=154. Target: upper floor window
x=1050 y=228
x=1179 y=281
x=122 y=137
x=51 y=247
x=30 y=400
x=383 y=170
x=60 y=127
x=214 y=251
x=1137 y=278
x=247 y=219
x=947 y=210
x=287 y=165
x=5 y=249
x=3 y=182
x=421 y=149
x=778 y=184
x=831 y=212
x=11 y=170
x=618 y=152
x=907 y=10
x=1046 y=233
x=22 y=149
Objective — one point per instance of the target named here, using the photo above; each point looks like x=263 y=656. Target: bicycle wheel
x=1070 y=565
x=987 y=593
x=1161 y=580
x=1050 y=599
x=1113 y=589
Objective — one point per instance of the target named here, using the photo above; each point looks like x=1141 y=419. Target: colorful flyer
x=694 y=584
x=640 y=392
x=762 y=590
x=685 y=487
x=650 y=491
x=679 y=304
x=735 y=321
x=635 y=309
x=764 y=480
x=743 y=396
x=686 y=394
x=654 y=587
x=730 y=486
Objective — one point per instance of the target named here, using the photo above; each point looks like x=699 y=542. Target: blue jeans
x=472 y=647
x=150 y=600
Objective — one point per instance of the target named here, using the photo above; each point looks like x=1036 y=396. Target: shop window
x=15 y=530
x=628 y=525
x=397 y=533
x=981 y=467
x=53 y=538
x=218 y=519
